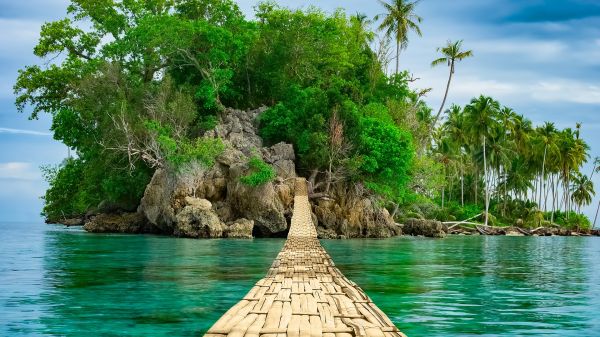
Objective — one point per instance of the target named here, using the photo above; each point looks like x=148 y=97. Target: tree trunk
x=462 y=187
x=476 y=184
x=596 y=217
x=437 y=117
x=553 y=200
x=542 y=178
x=485 y=177
x=397 y=55
x=396 y=206
x=443 y=192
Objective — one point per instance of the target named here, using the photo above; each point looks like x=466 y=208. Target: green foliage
x=570 y=220
x=386 y=154
x=260 y=173
x=180 y=152
x=141 y=80
x=78 y=185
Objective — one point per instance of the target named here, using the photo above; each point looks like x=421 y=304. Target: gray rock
x=428 y=228
x=187 y=203
x=201 y=204
x=118 y=223
x=156 y=203
x=261 y=204
x=241 y=229
x=356 y=218
x=195 y=222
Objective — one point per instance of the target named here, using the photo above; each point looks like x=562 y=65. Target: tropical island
x=186 y=118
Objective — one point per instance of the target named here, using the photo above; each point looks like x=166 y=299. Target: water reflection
x=143 y=285
x=484 y=286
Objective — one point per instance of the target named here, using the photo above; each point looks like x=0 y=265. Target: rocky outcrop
x=200 y=202
x=360 y=217
x=198 y=220
x=428 y=228
x=240 y=229
x=156 y=202
x=132 y=223
x=171 y=199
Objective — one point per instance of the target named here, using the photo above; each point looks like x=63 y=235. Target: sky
x=540 y=57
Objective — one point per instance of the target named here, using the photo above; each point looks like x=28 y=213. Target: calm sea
x=65 y=282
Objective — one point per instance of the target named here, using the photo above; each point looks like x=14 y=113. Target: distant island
x=188 y=119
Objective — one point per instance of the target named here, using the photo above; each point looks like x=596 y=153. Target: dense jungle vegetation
x=133 y=85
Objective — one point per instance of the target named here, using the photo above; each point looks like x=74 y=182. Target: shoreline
x=413 y=227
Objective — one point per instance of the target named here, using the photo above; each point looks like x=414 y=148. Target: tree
x=594 y=170
x=582 y=191
x=546 y=138
x=452 y=53
x=481 y=113
x=596 y=167
x=398 y=21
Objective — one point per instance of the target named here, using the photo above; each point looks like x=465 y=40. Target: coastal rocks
x=156 y=202
x=198 y=221
x=131 y=223
x=189 y=202
x=201 y=204
x=73 y=222
x=261 y=204
x=358 y=218
x=240 y=229
x=428 y=228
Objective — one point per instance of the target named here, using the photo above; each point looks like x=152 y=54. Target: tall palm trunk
x=462 y=186
x=542 y=177
x=397 y=55
x=443 y=195
x=596 y=217
x=485 y=177
x=476 y=182
x=437 y=117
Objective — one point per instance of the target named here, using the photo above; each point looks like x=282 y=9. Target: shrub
x=261 y=173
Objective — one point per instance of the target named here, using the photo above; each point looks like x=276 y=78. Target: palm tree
x=482 y=124
x=547 y=139
x=398 y=21
x=596 y=167
x=452 y=53
x=455 y=128
x=582 y=190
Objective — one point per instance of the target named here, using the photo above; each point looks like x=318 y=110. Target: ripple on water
x=66 y=282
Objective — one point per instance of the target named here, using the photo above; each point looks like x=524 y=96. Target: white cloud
x=18 y=171
x=471 y=87
x=515 y=89
x=534 y=50
x=24 y=132
x=566 y=91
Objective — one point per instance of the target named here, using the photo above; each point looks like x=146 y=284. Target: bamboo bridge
x=304 y=294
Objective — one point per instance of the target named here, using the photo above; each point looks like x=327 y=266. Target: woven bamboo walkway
x=304 y=294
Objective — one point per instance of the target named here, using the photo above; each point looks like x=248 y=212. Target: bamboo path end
x=304 y=294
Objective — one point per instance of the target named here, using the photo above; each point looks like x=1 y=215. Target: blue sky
x=540 y=57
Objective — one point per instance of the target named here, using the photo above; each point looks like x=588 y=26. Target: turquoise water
x=65 y=282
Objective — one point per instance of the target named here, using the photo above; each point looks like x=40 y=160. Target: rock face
x=132 y=223
x=428 y=228
x=156 y=203
x=240 y=229
x=199 y=202
x=360 y=218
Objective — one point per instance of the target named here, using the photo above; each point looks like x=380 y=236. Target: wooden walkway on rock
x=304 y=294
